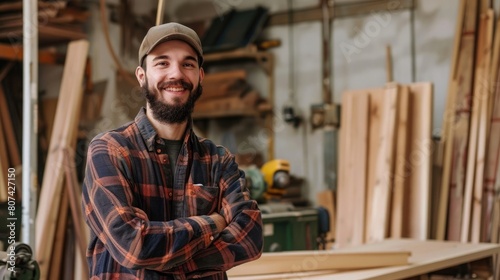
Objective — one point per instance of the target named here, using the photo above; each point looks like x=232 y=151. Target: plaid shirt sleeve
x=242 y=240
x=132 y=240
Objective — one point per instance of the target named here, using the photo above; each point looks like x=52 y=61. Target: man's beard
x=172 y=113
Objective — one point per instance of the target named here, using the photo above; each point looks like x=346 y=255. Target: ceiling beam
x=341 y=10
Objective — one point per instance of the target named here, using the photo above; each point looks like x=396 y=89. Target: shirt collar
x=148 y=132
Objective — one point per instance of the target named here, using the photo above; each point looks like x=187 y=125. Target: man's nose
x=176 y=72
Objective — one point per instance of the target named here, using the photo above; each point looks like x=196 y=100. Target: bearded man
x=161 y=202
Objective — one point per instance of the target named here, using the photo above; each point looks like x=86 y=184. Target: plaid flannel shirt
x=147 y=223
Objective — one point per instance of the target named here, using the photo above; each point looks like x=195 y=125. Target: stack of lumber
x=60 y=189
x=384 y=164
x=9 y=143
x=469 y=208
x=58 y=22
x=227 y=93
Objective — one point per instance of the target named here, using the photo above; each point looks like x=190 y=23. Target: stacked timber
x=227 y=93
x=58 y=22
x=10 y=159
x=469 y=207
x=384 y=164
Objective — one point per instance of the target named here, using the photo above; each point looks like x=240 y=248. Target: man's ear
x=140 y=74
x=202 y=74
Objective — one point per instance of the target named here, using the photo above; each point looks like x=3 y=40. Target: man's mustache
x=184 y=84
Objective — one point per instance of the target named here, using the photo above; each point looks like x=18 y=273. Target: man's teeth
x=174 y=89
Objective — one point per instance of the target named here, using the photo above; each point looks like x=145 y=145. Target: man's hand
x=220 y=222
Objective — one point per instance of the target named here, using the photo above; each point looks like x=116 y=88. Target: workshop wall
x=359 y=54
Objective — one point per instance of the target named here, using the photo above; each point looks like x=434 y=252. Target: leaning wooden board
x=484 y=98
x=353 y=176
x=377 y=223
x=459 y=120
x=479 y=79
x=66 y=121
x=426 y=256
x=419 y=160
x=377 y=98
x=400 y=180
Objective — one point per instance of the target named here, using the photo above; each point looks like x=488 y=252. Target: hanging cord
x=104 y=21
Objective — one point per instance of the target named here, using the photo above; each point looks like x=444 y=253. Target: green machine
x=290 y=230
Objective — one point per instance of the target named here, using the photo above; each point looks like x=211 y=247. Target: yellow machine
x=270 y=181
x=276 y=176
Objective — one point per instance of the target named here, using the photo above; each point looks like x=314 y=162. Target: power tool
x=17 y=263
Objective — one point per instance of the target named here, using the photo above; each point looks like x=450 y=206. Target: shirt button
x=164 y=160
x=158 y=141
x=170 y=194
x=158 y=150
x=211 y=238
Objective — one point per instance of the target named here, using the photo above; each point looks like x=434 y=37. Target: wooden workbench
x=426 y=256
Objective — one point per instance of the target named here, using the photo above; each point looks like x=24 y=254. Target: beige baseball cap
x=170 y=31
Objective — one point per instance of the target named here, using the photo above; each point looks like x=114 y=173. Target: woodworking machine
x=286 y=227
x=17 y=263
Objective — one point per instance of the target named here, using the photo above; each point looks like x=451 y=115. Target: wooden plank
x=15 y=52
x=447 y=131
x=326 y=199
x=377 y=97
x=461 y=122
x=301 y=261
x=479 y=79
x=484 y=118
x=450 y=103
x=18 y=5
x=346 y=9
x=13 y=149
x=378 y=216
x=343 y=180
x=493 y=154
x=420 y=160
x=60 y=235
x=426 y=257
x=48 y=112
x=66 y=121
x=459 y=85
x=223 y=84
x=351 y=192
x=4 y=165
x=399 y=195
x=495 y=221
x=388 y=64
x=73 y=190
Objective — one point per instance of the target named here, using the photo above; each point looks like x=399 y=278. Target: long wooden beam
x=341 y=10
x=304 y=261
x=15 y=52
